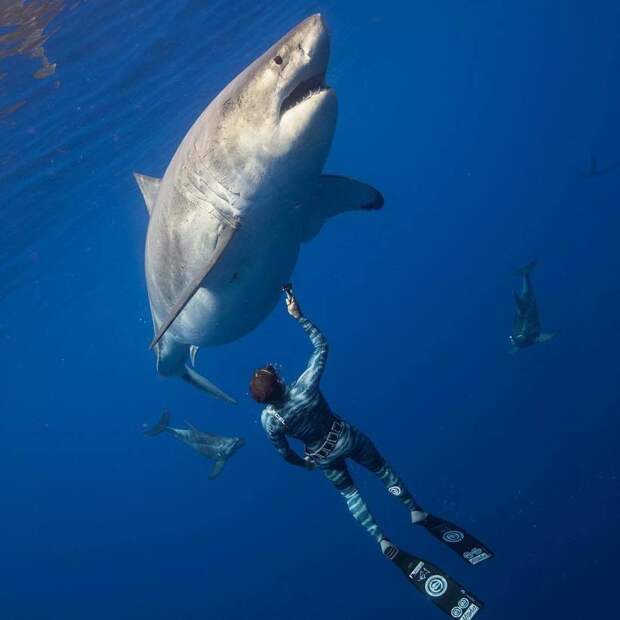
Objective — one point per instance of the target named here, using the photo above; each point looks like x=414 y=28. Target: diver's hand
x=291 y=302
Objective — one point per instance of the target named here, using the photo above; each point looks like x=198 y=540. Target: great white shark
x=241 y=194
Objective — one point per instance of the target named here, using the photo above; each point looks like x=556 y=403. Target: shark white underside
x=243 y=191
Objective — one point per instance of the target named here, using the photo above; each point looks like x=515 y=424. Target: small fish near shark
x=241 y=194
x=526 y=326
x=214 y=447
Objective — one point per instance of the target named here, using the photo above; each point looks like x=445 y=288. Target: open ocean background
x=477 y=120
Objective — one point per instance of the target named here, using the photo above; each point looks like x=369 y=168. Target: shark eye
x=278 y=60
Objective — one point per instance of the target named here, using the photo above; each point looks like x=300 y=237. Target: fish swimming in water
x=214 y=447
x=526 y=326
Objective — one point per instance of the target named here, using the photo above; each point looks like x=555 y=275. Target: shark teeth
x=303 y=91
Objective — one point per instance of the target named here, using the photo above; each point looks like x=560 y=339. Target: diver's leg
x=366 y=454
x=338 y=474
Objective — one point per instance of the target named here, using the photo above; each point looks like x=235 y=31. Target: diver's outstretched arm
x=311 y=377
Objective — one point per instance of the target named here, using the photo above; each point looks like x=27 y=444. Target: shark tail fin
x=546 y=337
x=197 y=380
x=527 y=269
x=217 y=469
x=161 y=426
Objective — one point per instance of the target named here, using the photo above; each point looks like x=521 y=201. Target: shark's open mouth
x=303 y=91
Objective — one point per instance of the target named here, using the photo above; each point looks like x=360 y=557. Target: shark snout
x=308 y=45
x=312 y=39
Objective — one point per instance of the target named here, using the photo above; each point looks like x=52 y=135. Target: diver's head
x=517 y=341
x=266 y=385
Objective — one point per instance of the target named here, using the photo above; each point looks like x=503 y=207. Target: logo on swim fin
x=395 y=490
x=476 y=555
x=453 y=536
x=471 y=612
x=436 y=586
x=457 y=610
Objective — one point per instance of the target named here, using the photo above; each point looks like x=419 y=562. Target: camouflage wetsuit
x=303 y=413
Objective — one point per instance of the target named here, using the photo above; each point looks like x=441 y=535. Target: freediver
x=300 y=410
x=526 y=325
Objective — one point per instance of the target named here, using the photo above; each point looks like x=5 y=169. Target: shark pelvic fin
x=193 y=352
x=546 y=337
x=335 y=194
x=217 y=469
x=149 y=186
x=227 y=232
x=191 y=376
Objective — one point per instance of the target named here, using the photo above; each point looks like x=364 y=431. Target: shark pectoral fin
x=227 y=232
x=197 y=380
x=217 y=469
x=193 y=352
x=149 y=186
x=333 y=195
x=546 y=337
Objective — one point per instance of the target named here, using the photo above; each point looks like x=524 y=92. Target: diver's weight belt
x=328 y=446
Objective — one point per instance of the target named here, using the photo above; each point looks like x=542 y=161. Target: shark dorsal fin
x=149 y=186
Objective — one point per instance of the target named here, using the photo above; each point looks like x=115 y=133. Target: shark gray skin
x=243 y=191
x=214 y=447
x=526 y=326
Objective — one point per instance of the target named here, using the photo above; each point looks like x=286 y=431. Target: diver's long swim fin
x=196 y=379
x=455 y=537
x=435 y=585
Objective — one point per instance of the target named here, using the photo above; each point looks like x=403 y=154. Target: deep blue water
x=476 y=119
